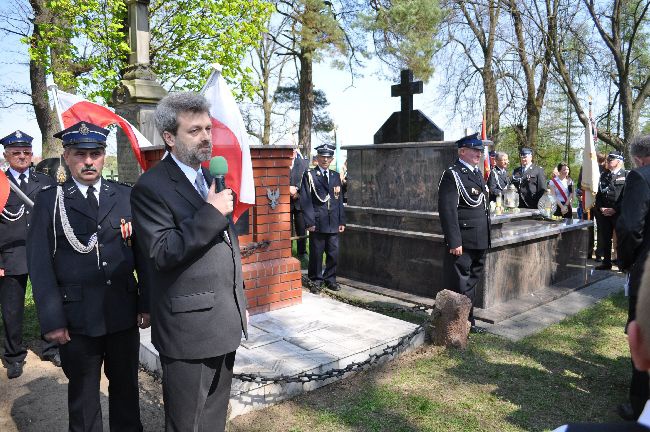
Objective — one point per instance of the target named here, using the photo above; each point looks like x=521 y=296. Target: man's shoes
x=14 y=370
x=477 y=329
x=332 y=286
x=604 y=266
x=315 y=287
x=626 y=412
x=54 y=358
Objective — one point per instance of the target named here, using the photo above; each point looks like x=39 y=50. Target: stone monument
x=408 y=125
x=136 y=97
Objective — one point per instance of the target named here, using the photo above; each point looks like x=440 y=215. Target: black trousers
x=462 y=273
x=82 y=360
x=320 y=243
x=606 y=225
x=12 y=301
x=299 y=227
x=639 y=383
x=196 y=393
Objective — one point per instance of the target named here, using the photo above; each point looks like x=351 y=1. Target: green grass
x=577 y=370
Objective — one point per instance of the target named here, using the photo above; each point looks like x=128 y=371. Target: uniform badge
x=317 y=173
x=337 y=191
x=18 y=134
x=83 y=129
x=475 y=191
x=127 y=229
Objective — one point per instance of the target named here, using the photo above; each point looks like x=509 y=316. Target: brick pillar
x=271 y=274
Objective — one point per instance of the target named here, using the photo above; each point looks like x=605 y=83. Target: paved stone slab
x=536 y=319
x=319 y=335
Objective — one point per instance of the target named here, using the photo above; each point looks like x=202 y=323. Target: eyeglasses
x=326 y=157
x=19 y=152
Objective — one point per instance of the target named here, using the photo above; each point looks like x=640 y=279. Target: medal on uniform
x=337 y=191
x=127 y=229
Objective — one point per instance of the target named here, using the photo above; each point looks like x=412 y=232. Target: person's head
x=324 y=156
x=183 y=120
x=525 y=156
x=470 y=149
x=640 y=150
x=18 y=150
x=638 y=331
x=614 y=161
x=602 y=159
x=562 y=170
x=501 y=160
x=84 y=150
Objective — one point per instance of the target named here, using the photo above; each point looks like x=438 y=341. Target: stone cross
x=405 y=90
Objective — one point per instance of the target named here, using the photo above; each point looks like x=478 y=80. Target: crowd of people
x=82 y=243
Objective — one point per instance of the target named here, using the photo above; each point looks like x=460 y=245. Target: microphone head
x=218 y=166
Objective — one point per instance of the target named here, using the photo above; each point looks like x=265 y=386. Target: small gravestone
x=408 y=125
x=448 y=325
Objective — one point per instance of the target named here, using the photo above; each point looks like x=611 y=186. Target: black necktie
x=476 y=171
x=92 y=200
x=22 y=184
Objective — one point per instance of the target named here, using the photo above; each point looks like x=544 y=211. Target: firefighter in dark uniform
x=321 y=199
x=462 y=196
x=86 y=295
x=529 y=180
x=610 y=186
x=498 y=179
x=15 y=219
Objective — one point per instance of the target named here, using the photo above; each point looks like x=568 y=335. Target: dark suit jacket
x=633 y=225
x=197 y=298
x=13 y=255
x=328 y=216
x=497 y=182
x=300 y=165
x=89 y=294
x=462 y=224
x=607 y=427
x=531 y=184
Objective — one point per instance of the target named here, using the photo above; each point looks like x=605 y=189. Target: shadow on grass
x=568 y=373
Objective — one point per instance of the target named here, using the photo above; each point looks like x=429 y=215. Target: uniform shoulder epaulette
x=119 y=183
x=50 y=186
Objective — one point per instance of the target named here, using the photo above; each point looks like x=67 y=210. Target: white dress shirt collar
x=17 y=174
x=84 y=188
x=471 y=168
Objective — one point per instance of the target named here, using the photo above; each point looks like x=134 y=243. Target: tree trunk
x=306 y=87
x=491 y=104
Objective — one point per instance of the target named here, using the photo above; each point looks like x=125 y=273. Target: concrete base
x=316 y=336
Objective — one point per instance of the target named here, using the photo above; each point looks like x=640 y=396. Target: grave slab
x=318 y=335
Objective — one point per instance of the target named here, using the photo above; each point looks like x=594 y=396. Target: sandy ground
x=36 y=401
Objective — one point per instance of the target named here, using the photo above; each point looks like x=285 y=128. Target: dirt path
x=36 y=401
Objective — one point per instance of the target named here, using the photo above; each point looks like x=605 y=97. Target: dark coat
x=325 y=216
x=497 y=181
x=90 y=294
x=633 y=226
x=296 y=175
x=197 y=297
x=610 y=188
x=462 y=224
x=13 y=235
x=531 y=185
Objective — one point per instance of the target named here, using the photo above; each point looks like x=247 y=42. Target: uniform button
x=99 y=227
x=27 y=211
x=65 y=296
x=104 y=263
x=101 y=245
x=108 y=282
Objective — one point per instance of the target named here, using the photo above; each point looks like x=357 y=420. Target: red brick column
x=271 y=274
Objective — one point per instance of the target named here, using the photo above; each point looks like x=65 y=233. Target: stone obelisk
x=136 y=97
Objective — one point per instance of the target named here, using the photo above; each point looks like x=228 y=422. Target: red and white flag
x=72 y=109
x=230 y=140
x=590 y=170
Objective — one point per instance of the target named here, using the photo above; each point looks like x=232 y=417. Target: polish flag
x=230 y=140
x=73 y=109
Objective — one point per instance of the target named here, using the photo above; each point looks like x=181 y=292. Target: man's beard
x=195 y=155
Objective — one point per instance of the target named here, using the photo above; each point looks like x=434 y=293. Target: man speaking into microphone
x=193 y=260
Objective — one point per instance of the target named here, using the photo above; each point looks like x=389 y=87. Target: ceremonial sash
x=560 y=188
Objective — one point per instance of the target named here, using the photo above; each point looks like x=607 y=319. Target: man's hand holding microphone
x=219 y=196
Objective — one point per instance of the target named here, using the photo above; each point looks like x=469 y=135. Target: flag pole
x=57 y=107
x=216 y=69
